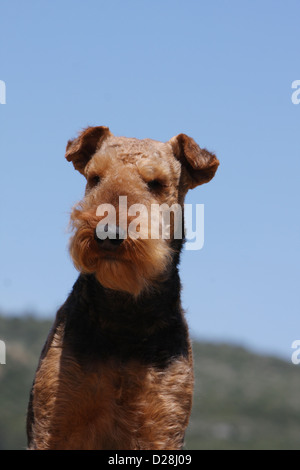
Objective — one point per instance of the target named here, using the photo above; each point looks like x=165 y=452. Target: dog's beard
x=135 y=266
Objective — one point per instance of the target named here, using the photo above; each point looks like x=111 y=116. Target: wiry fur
x=116 y=371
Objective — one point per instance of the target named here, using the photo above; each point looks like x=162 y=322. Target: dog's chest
x=107 y=403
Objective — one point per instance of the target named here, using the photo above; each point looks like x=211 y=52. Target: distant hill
x=242 y=400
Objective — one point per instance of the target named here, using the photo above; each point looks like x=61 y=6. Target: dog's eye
x=154 y=185
x=94 y=180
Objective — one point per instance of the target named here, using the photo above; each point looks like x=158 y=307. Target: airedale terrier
x=116 y=371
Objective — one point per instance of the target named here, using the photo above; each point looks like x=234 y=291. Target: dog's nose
x=109 y=236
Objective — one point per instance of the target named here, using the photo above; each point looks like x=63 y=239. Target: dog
x=116 y=371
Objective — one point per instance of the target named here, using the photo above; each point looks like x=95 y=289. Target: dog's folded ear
x=200 y=165
x=80 y=150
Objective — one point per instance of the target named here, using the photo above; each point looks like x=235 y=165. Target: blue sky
x=219 y=71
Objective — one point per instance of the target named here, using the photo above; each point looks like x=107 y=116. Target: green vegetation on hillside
x=241 y=401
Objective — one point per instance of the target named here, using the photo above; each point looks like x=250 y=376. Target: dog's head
x=127 y=227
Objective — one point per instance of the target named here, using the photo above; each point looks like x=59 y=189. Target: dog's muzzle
x=109 y=237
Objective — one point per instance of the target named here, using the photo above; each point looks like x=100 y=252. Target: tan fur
x=132 y=404
x=125 y=166
x=101 y=387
